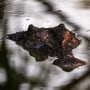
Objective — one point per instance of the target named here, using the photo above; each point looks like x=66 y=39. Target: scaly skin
x=43 y=42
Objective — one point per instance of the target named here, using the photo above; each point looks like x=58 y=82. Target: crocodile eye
x=32 y=28
x=75 y=42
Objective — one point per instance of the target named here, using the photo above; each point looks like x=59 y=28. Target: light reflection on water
x=3 y=76
x=20 y=15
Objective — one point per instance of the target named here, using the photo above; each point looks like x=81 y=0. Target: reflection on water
x=20 y=14
x=3 y=76
x=85 y=4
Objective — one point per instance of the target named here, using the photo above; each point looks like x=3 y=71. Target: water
x=20 y=14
